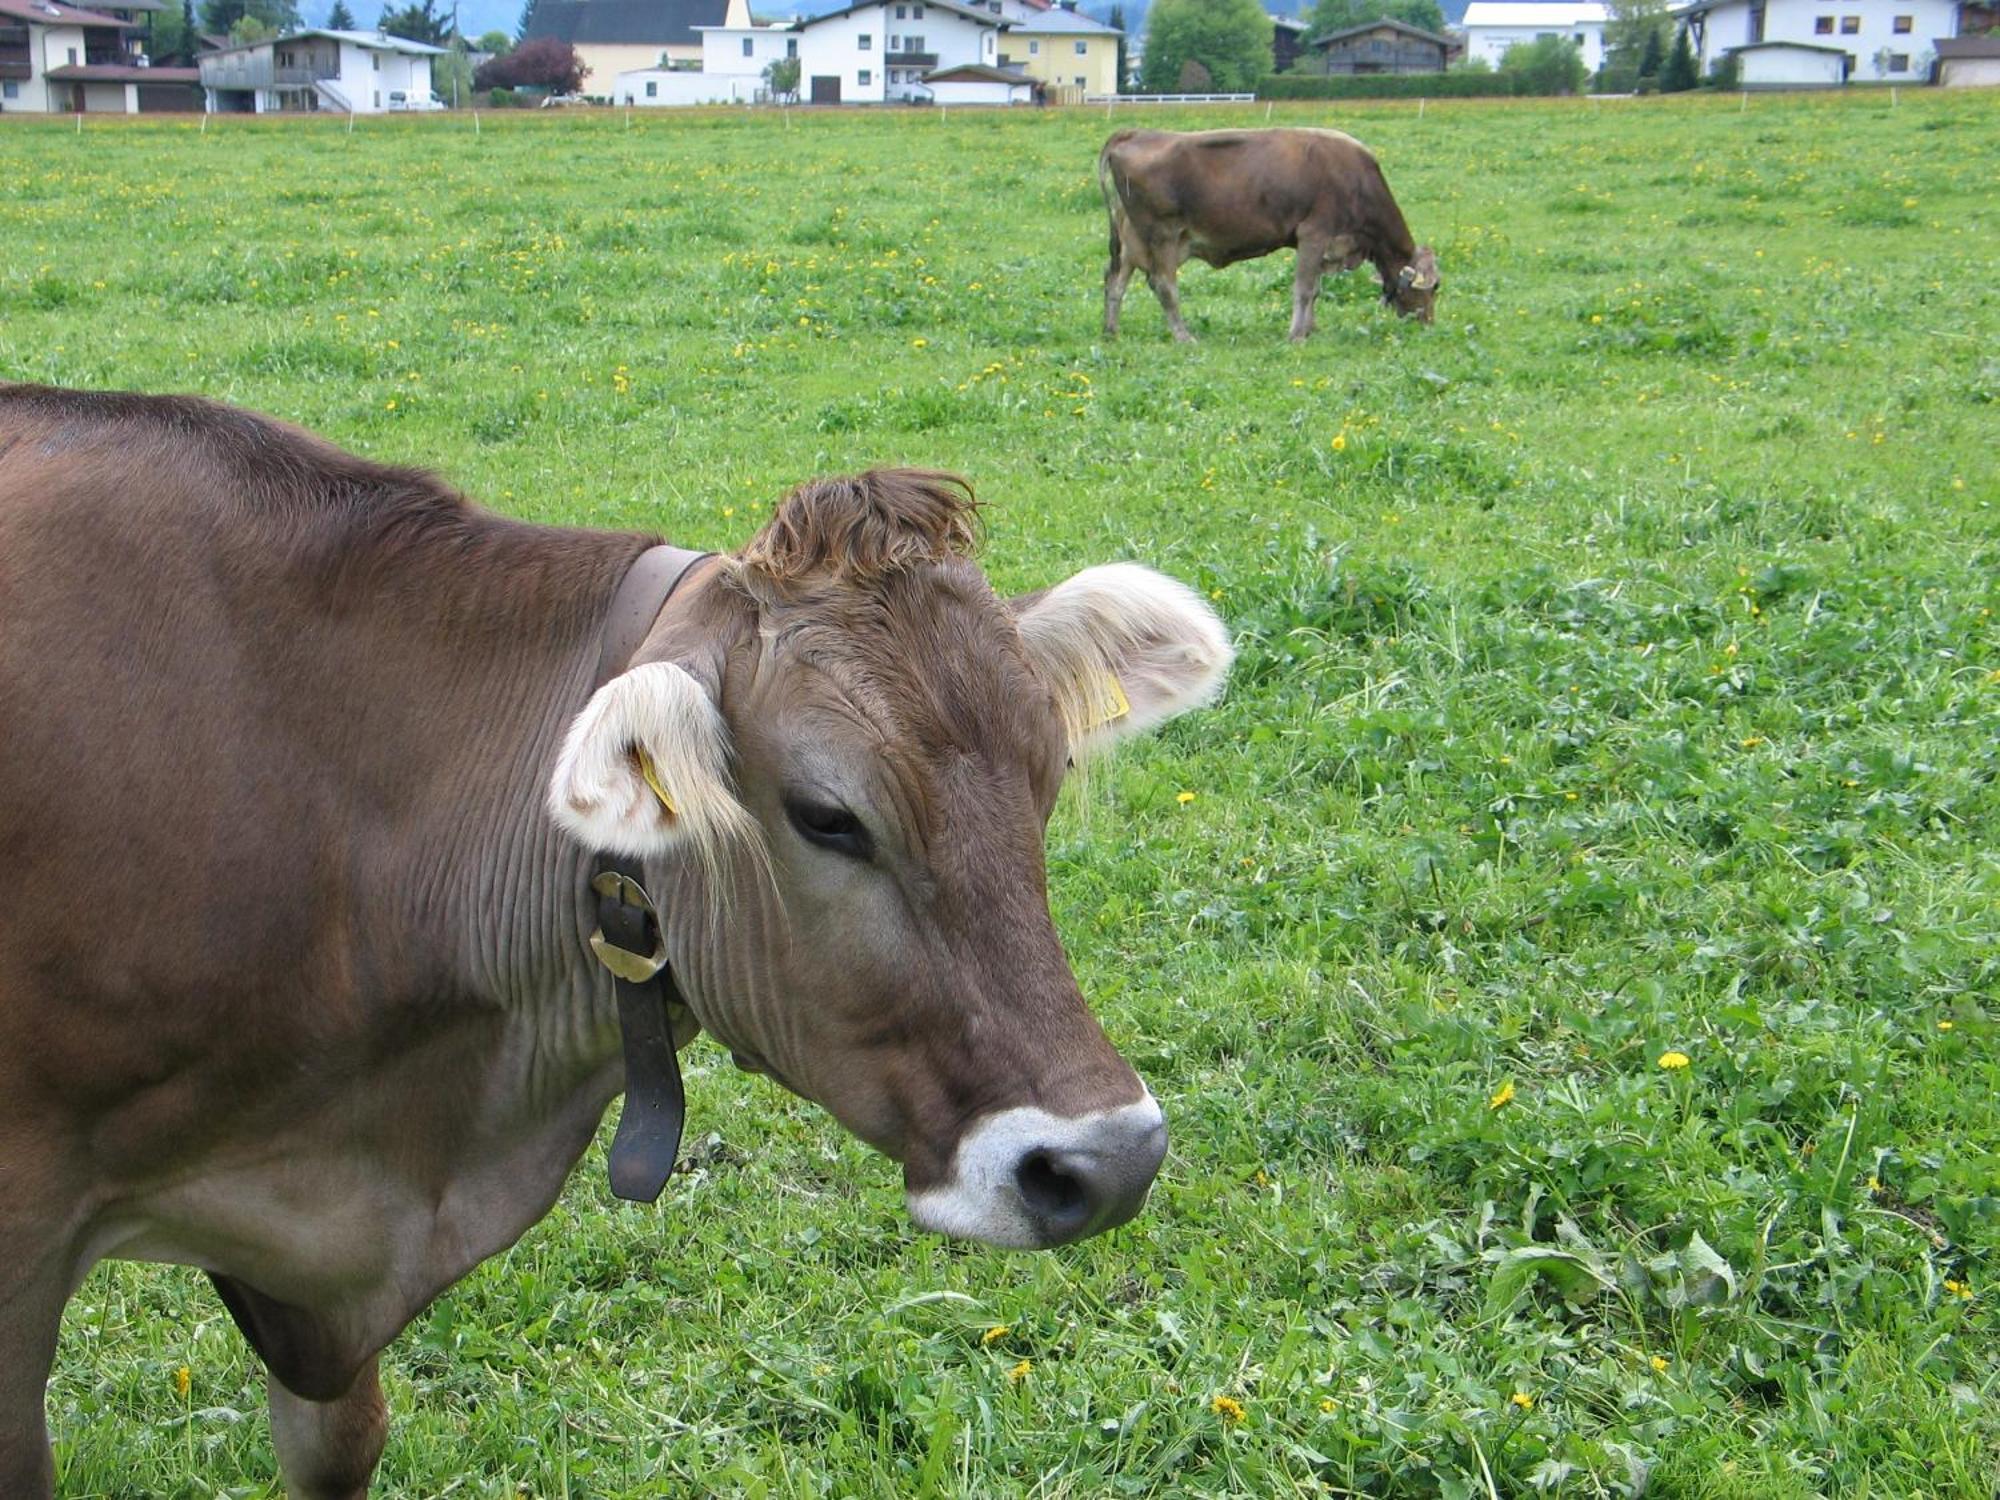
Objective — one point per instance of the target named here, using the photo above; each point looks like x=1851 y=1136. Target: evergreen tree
x=417 y=23
x=1650 y=57
x=1124 y=61
x=1680 y=74
x=527 y=20
x=340 y=18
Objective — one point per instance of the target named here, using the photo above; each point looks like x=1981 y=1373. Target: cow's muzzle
x=1025 y=1179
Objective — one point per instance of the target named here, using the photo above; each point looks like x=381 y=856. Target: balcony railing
x=260 y=73
x=910 y=60
x=16 y=63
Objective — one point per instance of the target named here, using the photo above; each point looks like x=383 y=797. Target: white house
x=1891 y=40
x=358 y=71
x=63 y=59
x=662 y=87
x=878 y=51
x=1492 y=26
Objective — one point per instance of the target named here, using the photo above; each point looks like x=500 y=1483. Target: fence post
x=475 y=122
x=1420 y=107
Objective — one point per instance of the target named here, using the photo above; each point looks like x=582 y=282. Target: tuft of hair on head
x=863 y=526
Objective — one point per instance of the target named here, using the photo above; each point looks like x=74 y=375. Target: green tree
x=1338 y=15
x=1552 y=65
x=274 y=16
x=416 y=23
x=1636 y=28
x=782 y=74
x=170 y=36
x=1231 y=39
x=495 y=43
x=1124 y=61
x=340 y=18
x=1680 y=73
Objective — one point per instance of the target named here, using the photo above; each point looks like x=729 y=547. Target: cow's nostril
x=1054 y=1194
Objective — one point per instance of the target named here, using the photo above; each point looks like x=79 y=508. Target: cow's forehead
x=927 y=661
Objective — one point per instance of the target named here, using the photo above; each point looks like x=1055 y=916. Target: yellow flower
x=1673 y=1060
x=1959 y=1289
x=1752 y=742
x=1340 y=442
x=184 y=1377
x=1659 y=1364
x=1184 y=798
x=1326 y=1403
x=994 y=1334
x=1020 y=1372
x=390 y=404
x=1228 y=1408
x=920 y=343
x=1523 y=1400
x=1944 y=1026
x=1597 y=317
x=1502 y=1096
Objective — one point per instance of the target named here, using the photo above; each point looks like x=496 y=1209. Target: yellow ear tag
x=1119 y=704
x=652 y=775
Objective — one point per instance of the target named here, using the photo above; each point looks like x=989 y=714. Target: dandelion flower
x=1673 y=1061
x=1502 y=1096
x=1020 y=1372
x=1184 y=798
x=1228 y=1408
x=1326 y=1403
x=996 y=1333
x=1523 y=1400
x=1944 y=1026
x=1959 y=1289
x=1659 y=1364
x=184 y=1377
x=1340 y=442
x=920 y=343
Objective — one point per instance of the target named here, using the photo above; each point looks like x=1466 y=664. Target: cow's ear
x=1122 y=648
x=644 y=769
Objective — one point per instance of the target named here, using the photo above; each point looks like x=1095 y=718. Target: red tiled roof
x=121 y=73
x=53 y=13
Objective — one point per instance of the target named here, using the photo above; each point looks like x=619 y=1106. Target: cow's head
x=857 y=746
x=1414 y=291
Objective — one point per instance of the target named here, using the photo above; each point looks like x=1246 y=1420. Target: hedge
x=1385 y=86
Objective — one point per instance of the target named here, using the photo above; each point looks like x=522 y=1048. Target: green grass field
x=1619 y=678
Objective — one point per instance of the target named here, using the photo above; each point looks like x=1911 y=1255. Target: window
x=914 y=43
x=1901 y=26
x=1080 y=83
x=1850 y=25
x=378 y=98
x=749 y=47
x=1034 y=48
x=1578 y=39
x=916 y=12
x=902 y=12
x=864 y=41
x=376 y=59
x=864 y=77
x=1822 y=25
x=1899 y=62
x=10 y=90
x=652 y=88
x=791 y=46
x=1083 y=49
x=72 y=57
x=895 y=44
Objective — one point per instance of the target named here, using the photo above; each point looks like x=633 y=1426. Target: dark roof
x=1782 y=46
x=1290 y=23
x=976 y=73
x=632 y=21
x=122 y=73
x=1376 y=25
x=1967 y=46
x=51 y=13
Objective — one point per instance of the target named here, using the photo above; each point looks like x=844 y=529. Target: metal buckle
x=633 y=968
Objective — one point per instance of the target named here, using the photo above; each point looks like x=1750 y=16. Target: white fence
x=660 y=87
x=1169 y=98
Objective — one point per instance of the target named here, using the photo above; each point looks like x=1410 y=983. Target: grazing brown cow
x=303 y=761
x=1229 y=195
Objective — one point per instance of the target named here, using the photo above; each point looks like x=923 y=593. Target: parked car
x=400 y=100
x=563 y=101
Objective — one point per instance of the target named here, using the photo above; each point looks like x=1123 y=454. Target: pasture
x=1619 y=685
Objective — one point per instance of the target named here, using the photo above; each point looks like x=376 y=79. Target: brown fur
x=860 y=527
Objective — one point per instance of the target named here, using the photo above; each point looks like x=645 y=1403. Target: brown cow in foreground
x=1229 y=195
x=303 y=761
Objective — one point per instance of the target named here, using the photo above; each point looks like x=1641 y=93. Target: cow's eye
x=832 y=828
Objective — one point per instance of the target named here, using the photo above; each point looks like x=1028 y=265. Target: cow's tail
x=1114 y=206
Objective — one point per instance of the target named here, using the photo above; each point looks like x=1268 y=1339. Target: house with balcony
x=1384 y=45
x=879 y=51
x=1064 y=49
x=1820 y=43
x=350 y=72
x=57 y=58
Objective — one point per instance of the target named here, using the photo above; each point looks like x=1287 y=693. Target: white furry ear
x=644 y=768
x=1123 y=648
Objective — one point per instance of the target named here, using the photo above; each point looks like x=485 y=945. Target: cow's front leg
x=1306 y=277
x=327 y=1450
x=29 y=1320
